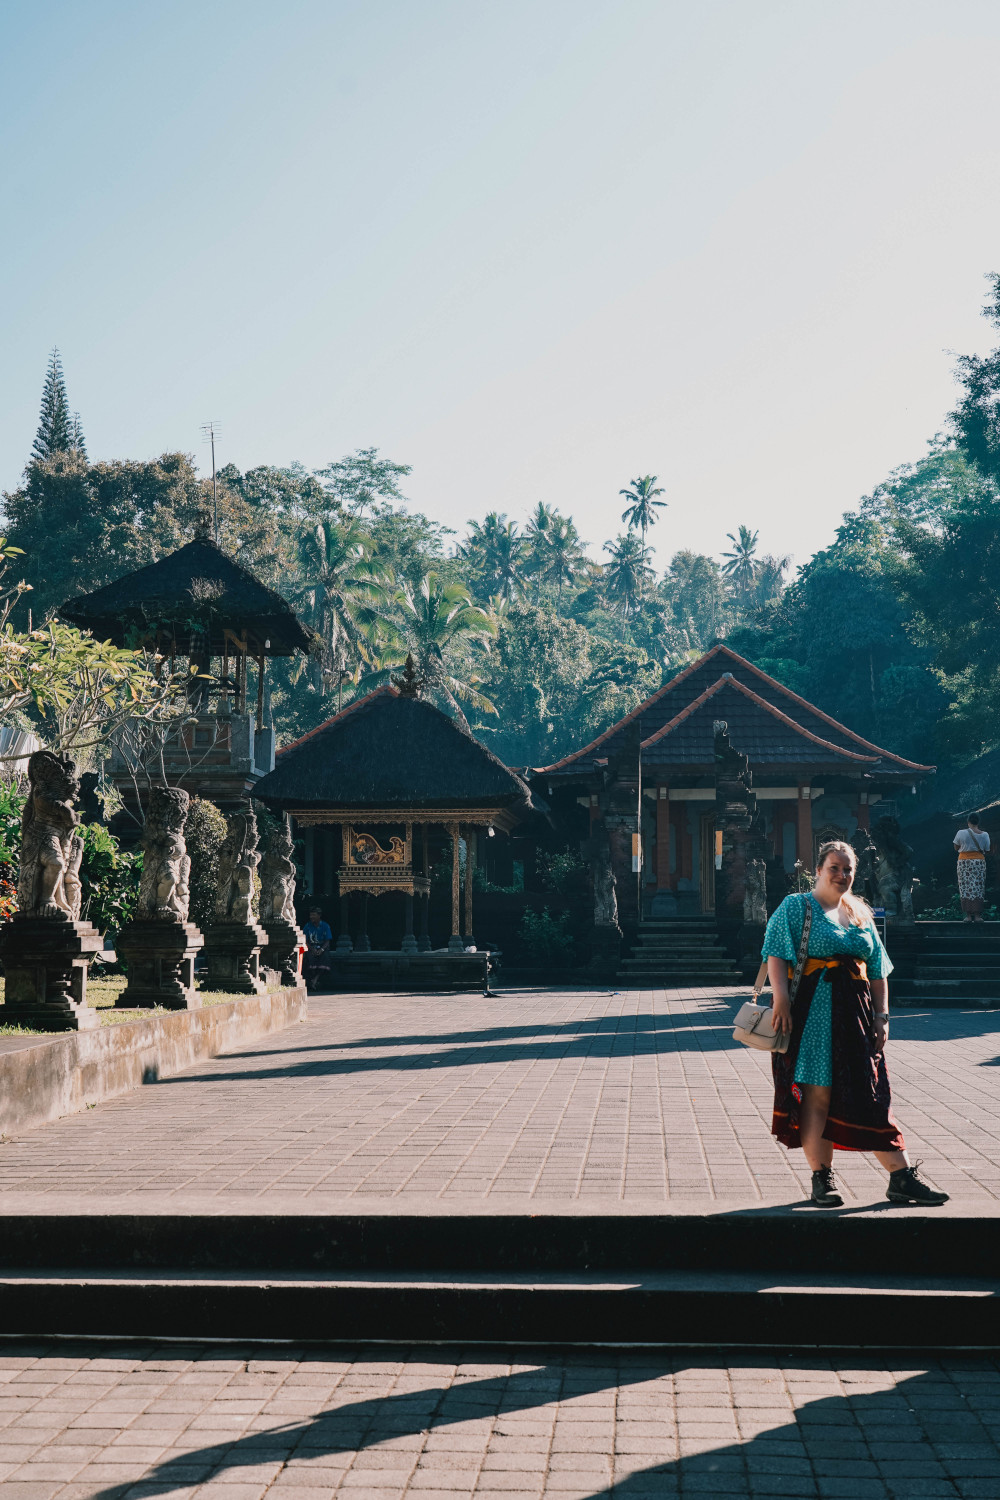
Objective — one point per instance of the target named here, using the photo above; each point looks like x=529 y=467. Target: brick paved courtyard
x=95 y=1422
x=551 y=1097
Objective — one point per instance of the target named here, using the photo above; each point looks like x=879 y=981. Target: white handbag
x=754 y=1024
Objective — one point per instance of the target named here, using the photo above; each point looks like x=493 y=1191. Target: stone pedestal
x=160 y=957
x=232 y=951
x=283 y=951
x=45 y=963
x=605 y=951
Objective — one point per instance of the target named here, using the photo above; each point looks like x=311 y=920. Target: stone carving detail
x=741 y=883
x=51 y=849
x=238 y=860
x=285 y=940
x=893 y=870
x=866 y=854
x=45 y=948
x=277 y=878
x=164 y=890
x=605 y=897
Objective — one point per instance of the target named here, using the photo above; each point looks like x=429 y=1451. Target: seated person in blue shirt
x=318 y=940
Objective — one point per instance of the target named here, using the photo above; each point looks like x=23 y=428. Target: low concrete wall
x=60 y=1075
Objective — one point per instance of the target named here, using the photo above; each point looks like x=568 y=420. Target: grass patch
x=102 y=994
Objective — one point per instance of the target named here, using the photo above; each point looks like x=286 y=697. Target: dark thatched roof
x=198 y=585
x=391 y=750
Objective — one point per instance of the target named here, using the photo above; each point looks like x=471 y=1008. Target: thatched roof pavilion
x=197 y=586
x=200 y=604
x=392 y=758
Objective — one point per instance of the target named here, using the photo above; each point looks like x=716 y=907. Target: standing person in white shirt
x=973 y=845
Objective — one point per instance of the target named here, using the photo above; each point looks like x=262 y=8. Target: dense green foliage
x=204 y=831
x=521 y=631
x=110 y=879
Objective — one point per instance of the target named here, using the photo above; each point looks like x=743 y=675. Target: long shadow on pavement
x=922 y=1436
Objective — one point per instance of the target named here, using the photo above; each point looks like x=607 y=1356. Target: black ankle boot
x=824 y=1191
x=905 y=1186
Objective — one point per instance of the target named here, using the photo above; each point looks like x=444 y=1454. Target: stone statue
x=72 y=884
x=864 y=875
x=238 y=861
x=51 y=850
x=277 y=878
x=605 y=897
x=893 y=870
x=755 y=892
x=164 y=890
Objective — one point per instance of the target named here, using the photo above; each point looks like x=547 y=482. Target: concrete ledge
x=793 y=1241
x=718 y=1311
x=44 y=1078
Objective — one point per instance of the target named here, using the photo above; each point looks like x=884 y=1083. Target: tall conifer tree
x=55 y=424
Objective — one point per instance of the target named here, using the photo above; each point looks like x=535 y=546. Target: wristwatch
x=881 y=1015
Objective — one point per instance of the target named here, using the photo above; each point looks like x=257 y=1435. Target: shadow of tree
x=929 y=1433
x=642 y=1036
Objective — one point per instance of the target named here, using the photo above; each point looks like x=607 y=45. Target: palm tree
x=441 y=624
x=769 y=580
x=741 y=564
x=628 y=573
x=644 y=504
x=564 y=557
x=537 y=534
x=343 y=594
x=496 y=553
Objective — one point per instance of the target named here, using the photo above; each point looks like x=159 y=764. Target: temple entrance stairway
x=678 y=951
x=946 y=964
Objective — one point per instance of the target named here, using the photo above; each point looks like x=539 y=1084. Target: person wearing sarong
x=831 y=1087
x=973 y=845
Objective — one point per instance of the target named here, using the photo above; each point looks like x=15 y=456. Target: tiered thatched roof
x=198 y=585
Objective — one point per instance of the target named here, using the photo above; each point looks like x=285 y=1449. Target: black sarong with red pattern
x=860 y=1117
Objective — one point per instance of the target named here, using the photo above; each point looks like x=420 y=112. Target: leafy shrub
x=110 y=879
x=546 y=939
x=204 y=832
x=560 y=872
x=951 y=911
x=11 y=808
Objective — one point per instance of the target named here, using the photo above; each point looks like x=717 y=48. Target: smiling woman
x=831 y=1087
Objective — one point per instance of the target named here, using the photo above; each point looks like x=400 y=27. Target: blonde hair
x=859 y=910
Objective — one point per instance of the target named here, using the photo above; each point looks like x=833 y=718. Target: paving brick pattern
x=98 y=1422
x=543 y=1097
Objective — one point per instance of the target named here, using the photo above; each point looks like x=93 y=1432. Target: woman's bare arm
x=880 y=1006
x=777 y=973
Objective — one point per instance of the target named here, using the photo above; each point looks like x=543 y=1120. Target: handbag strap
x=803 y=953
x=975 y=841
x=800 y=961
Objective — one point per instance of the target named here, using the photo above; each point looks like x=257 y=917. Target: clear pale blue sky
x=533 y=249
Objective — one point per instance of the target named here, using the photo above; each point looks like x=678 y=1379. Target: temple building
x=384 y=794
x=814 y=779
x=200 y=606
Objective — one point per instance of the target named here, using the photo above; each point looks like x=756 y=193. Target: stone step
x=955 y=971
x=956 y=1000
x=619 y=1306
x=690 y=979
x=706 y=950
x=717 y=962
x=953 y=1240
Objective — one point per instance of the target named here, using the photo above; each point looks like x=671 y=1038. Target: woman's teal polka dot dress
x=827 y=939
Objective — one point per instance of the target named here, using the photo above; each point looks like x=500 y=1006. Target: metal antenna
x=210 y=429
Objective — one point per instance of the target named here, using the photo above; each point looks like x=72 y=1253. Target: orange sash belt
x=812 y=964
x=968 y=854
